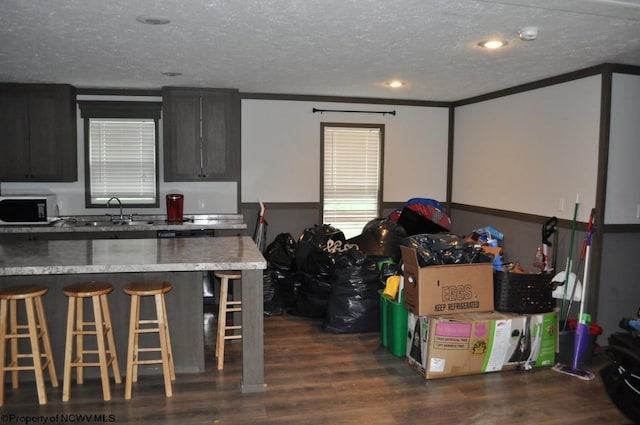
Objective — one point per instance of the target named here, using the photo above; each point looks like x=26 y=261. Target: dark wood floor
x=314 y=377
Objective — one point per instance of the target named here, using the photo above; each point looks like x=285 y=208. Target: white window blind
x=351 y=177
x=122 y=158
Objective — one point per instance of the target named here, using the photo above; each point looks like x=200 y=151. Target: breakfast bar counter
x=181 y=261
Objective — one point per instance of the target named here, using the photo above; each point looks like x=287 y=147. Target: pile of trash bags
x=324 y=275
x=445 y=248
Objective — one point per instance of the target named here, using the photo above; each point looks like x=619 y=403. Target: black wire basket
x=523 y=293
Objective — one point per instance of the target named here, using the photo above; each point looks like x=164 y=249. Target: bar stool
x=157 y=289
x=226 y=306
x=36 y=331
x=78 y=328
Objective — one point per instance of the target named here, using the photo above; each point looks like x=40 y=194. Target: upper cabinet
x=201 y=134
x=38 y=133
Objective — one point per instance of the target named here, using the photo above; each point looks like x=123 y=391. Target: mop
x=582 y=328
x=583 y=254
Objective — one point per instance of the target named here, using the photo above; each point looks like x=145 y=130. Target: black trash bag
x=316 y=249
x=445 y=248
x=311 y=295
x=281 y=253
x=380 y=237
x=271 y=304
x=285 y=289
x=387 y=270
x=621 y=377
x=354 y=301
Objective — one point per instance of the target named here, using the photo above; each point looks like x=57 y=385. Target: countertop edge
x=130 y=268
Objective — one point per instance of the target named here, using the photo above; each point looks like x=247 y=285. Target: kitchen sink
x=97 y=223
x=107 y=223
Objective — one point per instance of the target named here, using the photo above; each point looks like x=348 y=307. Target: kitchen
x=279 y=157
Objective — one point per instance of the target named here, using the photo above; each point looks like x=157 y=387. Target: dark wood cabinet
x=38 y=141
x=201 y=134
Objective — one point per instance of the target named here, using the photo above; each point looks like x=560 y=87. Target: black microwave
x=27 y=209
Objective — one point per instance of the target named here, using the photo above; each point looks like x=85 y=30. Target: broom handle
x=586 y=248
x=569 y=258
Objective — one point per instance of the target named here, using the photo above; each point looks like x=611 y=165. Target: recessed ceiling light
x=395 y=84
x=171 y=74
x=492 y=44
x=152 y=20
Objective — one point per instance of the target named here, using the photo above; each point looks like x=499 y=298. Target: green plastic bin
x=393 y=326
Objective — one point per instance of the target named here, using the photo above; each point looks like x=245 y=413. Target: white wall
x=281 y=149
x=532 y=152
x=623 y=188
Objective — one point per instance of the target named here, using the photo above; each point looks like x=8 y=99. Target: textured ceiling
x=322 y=47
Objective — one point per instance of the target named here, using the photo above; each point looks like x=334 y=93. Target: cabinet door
x=38 y=127
x=182 y=139
x=14 y=137
x=53 y=134
x=201 y=134
x=220 y=139
x=44 y=135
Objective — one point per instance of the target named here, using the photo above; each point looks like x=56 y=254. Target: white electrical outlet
x=561 y=204
x=201 y=204
x=638 y=210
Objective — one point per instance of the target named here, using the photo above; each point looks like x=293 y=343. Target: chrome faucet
x=119 y=203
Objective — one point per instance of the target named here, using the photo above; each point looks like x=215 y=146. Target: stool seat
x=87 y=289
x=77 y=328
x=145 y=288
x=22 y=292
x=36 y=331
x=226 y=306
x=229 y=274
x=159 y=325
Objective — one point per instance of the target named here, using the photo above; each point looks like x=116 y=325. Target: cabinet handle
x=201 y=174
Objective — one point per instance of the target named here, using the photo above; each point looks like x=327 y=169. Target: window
x=351 y=175
x=121 y=144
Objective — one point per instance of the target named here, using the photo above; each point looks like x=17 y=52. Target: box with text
x=470 y=343
x=446 y=289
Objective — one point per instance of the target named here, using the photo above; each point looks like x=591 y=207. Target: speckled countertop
x=129 y=255
x=103 y=223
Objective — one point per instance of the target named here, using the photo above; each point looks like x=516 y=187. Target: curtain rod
x=361 y=112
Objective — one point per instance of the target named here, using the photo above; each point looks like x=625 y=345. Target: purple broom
x=584 y=319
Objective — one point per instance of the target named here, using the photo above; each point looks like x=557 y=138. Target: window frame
x=381 y=128
x=119 y=109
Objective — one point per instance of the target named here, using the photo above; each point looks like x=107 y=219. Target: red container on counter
x=175 y=205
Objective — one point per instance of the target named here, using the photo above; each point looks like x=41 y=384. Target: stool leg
x=131 y=350
x=3 y=346
x=13 y=329
x=136 y=340
x=110 y=339
x=102 y=353
x=164 y=351
x=222 y=321
x=44 y=329
x=35 y=350
x=79 y=337
x=68 y=349
x=172 y=368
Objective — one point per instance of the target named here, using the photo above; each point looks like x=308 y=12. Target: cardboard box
x=471 y=343
x=446 y=289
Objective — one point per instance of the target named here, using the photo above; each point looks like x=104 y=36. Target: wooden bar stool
x=36 y=331
x=78 y=328
x=157 y=289
x=226 y=306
